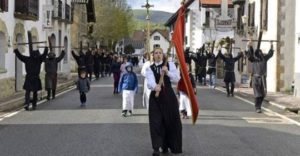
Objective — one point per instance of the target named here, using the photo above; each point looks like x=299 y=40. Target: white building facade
x=157 y=39
x=15 y=20
x=297 y=50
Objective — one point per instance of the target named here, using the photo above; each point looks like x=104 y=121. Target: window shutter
x=264 y=15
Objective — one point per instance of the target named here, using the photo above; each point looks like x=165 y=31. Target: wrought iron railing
x=27 y=9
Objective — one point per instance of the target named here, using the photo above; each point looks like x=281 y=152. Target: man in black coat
x=32 y=79
x=51 y=73
x=202 y=62
x=212 y=59
x=229 y=71
x=81 y=61
x=259 y=73
x=89 y=61
x=97 y=64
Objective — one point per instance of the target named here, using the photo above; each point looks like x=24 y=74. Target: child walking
x=129 y=85
x=83 y=85
x=184 y=101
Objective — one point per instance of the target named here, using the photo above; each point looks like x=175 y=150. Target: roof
x=139 y=35
x=213 y=3
x=163 y=32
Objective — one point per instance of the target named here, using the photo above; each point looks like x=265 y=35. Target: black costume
x=97 y=65
x=51 y=73
x=81 y=61
x=259 y=74
x=89 y=62
x=32 y=79
x=229 y=70
x=164 y=118
x=212 y=61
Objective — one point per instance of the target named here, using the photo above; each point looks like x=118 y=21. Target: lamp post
x=147 y=6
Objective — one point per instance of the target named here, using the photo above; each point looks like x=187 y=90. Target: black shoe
x=26 y=108
x=124 y=113
x=165 y=150
x=48 y=98
x=33 y=107
x=228 y=95
x=258 y=110
x=232 y=94
x=155 y=153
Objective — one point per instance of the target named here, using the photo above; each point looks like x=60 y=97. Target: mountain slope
x=155 y=16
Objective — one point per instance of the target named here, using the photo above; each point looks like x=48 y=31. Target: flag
x=178 y=40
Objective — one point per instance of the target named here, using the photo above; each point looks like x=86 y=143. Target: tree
x=114 y=21
x=129 y=49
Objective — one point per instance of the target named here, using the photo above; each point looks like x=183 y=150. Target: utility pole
x=147 y=6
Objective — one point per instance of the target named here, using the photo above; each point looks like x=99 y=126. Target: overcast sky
x=162 y=5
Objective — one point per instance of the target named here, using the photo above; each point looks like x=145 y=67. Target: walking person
x=146 y=91
x=128 y=86
x=51 y=64
x=184 y=101
x=115 y=69
x=97 y=64
x=89 y=62
x=259 y=73
x=212 y=59
x=80 y=60
x=229 y=70
x=32 y=79
x=164 y=118
x=83 y=86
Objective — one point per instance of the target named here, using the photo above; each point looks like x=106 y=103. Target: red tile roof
x=206 y=3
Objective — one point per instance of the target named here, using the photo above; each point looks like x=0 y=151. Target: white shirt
x=173 y=75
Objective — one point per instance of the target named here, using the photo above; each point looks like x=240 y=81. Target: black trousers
x=258 y=102
x=49 y=91
x=82 y=97
x=231 y=90
x=27 y=98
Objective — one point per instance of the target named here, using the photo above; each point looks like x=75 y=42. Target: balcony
x=27 y=9
x=238 y=2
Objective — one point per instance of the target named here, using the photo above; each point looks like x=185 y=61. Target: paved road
x=226 y=127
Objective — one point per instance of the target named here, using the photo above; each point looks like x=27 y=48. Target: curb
x=17 y=103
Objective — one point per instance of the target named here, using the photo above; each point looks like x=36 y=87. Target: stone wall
x=7 y=87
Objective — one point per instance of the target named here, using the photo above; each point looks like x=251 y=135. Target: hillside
x=158 y=19
x=156 y=16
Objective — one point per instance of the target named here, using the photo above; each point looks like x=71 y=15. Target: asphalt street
x=225 y=127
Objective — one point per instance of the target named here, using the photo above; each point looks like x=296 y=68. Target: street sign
x=47 y=12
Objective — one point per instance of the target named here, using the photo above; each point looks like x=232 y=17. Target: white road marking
x=266 y=109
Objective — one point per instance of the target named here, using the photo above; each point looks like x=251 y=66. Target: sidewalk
x=281 y=100
x=16 y=101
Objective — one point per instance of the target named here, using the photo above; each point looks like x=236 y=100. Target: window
x=264 y=15
x=240 y=14
x=157 y=38
x=207 y=18
x=156 y=46
x=185 y=40
x=2 y=52
x=3 y=5
x=251 y=13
